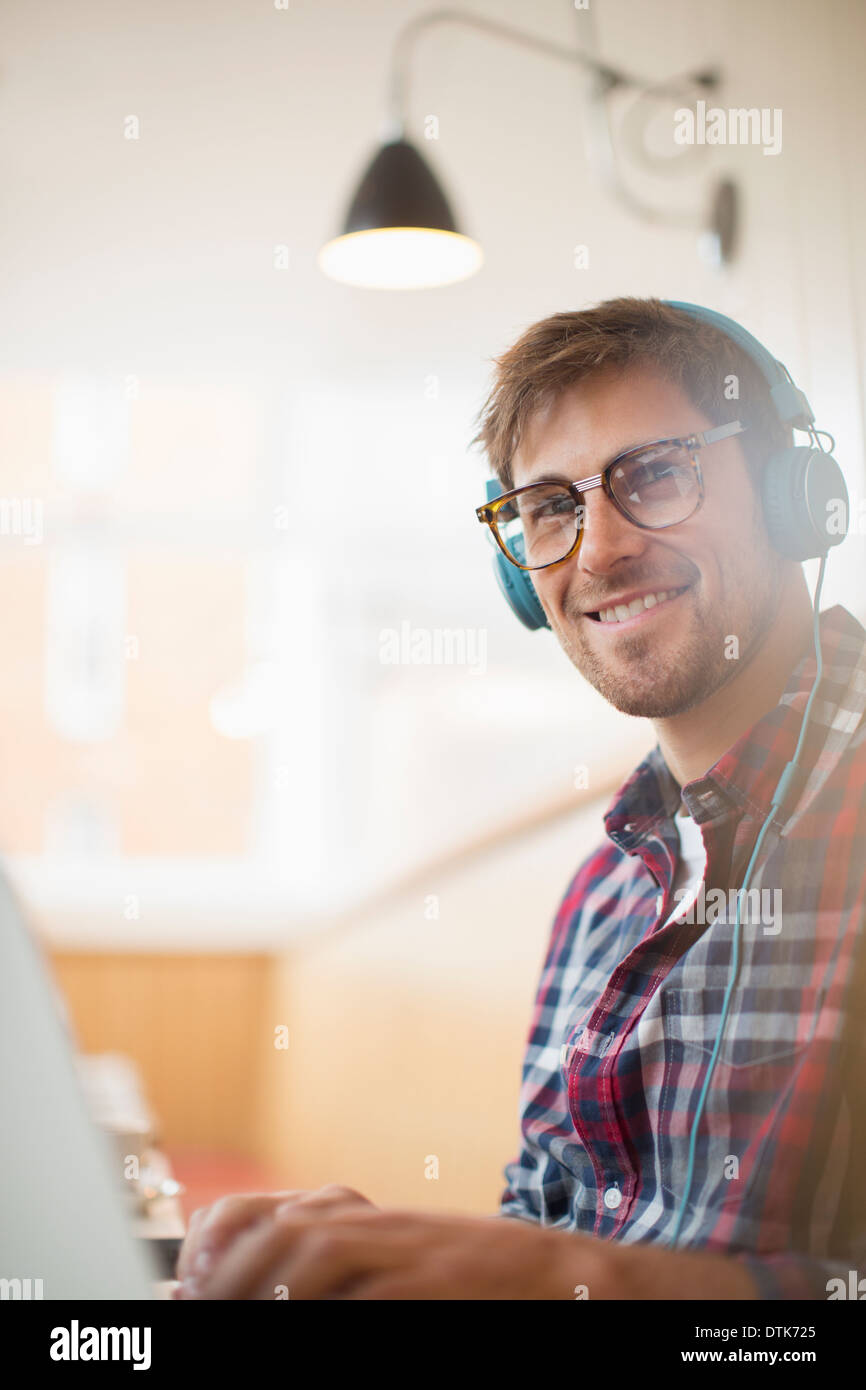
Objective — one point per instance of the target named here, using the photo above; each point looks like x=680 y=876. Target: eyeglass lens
x=656 y=486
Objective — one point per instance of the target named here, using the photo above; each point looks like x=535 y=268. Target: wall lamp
x=399 y=231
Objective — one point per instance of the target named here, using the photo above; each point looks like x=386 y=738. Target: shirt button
x=612 y=1198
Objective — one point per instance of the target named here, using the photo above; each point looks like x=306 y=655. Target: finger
x=327 y=1198
x=326 y=1260
x=257 y=1261
x=241 y=1266
x=220 y=1223
x=188 y=1248
x=334 y=1194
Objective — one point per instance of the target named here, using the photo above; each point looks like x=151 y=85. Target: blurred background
x=288 y=794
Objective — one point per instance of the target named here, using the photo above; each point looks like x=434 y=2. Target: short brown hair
x=565 y=348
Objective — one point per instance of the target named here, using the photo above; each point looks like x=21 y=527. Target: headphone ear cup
x=805 y=502
x=519 y=593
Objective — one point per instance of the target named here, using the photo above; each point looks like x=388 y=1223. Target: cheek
x=733 y=582
x=732 y=508
x=551 y=588
x=731 y=527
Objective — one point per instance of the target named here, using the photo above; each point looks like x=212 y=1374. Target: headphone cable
x=781 y=792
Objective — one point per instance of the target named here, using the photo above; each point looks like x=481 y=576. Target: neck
x=693 y=741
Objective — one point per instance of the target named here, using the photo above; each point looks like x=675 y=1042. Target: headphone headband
x=790 y=402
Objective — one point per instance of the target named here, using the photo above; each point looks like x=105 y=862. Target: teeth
x=621 y=611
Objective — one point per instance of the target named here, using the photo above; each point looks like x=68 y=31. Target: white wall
x=155 y=258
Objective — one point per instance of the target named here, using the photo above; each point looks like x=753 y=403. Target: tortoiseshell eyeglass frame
x=691 y=443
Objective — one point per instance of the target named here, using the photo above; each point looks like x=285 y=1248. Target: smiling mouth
x=638 y=608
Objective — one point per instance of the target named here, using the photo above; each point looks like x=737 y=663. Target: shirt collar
x=746 y=776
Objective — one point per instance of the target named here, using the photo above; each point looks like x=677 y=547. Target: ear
x=805 y=502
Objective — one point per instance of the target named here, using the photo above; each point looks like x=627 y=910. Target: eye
x=554 y=506
x=657 y=485
x=535 y=511
x=656 y=471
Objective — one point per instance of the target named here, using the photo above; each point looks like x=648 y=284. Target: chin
x=652 y=706
x=647 y=699
x=648 y=680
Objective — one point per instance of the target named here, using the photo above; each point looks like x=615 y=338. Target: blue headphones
x=797 y=483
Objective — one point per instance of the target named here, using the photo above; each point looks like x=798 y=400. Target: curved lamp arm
x=608 y=76
x=607 y=80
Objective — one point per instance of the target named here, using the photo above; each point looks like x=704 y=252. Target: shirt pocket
x=742 y=1168
x=766 y=1028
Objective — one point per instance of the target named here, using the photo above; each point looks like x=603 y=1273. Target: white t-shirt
x=690 y=865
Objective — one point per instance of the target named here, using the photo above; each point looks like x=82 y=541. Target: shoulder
x=595 y=881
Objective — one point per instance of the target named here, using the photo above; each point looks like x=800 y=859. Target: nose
x=607 y=535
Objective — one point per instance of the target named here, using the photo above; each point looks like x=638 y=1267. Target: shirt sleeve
x=534 y=1181
x=514 y=1202
x=534 y=1188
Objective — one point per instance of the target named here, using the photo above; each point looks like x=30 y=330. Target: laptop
x=64 y=1232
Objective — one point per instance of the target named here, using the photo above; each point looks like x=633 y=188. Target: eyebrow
x=551 y=476
x=548 y=478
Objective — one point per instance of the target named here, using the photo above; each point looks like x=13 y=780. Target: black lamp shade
x=399 y=230
x=398 y=189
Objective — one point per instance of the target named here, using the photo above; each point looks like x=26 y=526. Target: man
x=645 y=1123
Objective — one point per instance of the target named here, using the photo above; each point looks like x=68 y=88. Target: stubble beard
x=652 y=681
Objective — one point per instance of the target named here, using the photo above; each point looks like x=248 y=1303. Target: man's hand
x=212 y=1230
x=355 y=1251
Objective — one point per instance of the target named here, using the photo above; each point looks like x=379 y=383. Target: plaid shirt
x=628 y=1008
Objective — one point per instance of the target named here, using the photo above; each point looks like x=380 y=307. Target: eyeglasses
x=654 y=485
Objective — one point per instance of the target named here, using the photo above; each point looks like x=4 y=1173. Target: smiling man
x=691 y=1080
x=645 y=615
